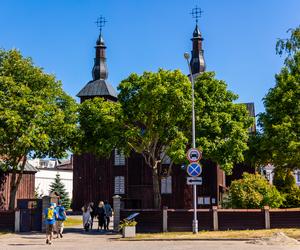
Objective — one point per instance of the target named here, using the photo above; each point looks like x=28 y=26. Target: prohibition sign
x=194 y=169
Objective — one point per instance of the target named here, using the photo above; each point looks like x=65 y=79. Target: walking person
x=108 y=214
x=86 y=216
x=61 y=217
x=93 y=213
x=50 y=216
x=101 y=215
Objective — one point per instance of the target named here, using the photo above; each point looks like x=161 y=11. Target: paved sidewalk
x=76 y=239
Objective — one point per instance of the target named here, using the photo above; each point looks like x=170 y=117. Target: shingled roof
x=97 y=87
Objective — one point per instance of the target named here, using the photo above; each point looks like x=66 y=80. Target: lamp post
x=195 y=221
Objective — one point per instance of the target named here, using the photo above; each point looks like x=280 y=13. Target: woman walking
x=86 y=216
x=101 y=215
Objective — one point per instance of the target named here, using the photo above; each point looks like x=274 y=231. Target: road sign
x=194 y=169
x=194 y=180
x=194 y=155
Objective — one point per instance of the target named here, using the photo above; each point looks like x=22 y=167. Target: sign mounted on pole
x=194 y=155
x=194 y=169
x=194 y=180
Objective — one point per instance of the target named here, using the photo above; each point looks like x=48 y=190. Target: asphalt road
x=78 y=240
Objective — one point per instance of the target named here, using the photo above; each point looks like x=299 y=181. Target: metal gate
x=30 y=214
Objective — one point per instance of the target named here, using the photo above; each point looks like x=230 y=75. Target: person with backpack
x=108 y=214
x=61 y=217
x=50 y=216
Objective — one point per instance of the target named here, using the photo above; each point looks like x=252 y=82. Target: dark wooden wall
x=93 y=180
x=7 y=220
x=26 y=188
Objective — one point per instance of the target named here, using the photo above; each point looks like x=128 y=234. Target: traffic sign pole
x=195 y=221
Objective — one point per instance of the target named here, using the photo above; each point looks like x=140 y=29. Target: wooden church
x=97 y=178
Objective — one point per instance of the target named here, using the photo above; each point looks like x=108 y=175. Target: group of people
x=54 y=220
x=102 y=212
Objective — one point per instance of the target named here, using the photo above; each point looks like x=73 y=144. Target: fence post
x=267 y=217
x=117 y=208
x=165 y=219
x=215 y=218
x=17 y=221
x=45 y=204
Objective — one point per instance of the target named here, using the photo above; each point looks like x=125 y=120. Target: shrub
x=253 y=191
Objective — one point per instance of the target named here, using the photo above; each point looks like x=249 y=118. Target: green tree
x=58 y=186
x=285 y=182
x=281 y=120
x=37 y=118
x=221 y=125
x=253 y=191
x=153 y=118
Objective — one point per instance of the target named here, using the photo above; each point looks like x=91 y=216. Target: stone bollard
x=215 y=218
x=117 y=210
x=165 y=219
x=267 y=217
x=17 y=221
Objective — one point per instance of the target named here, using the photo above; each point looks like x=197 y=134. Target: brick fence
x=153 y=220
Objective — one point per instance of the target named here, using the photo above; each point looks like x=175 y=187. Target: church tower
x=99 y=87
x=197 y=60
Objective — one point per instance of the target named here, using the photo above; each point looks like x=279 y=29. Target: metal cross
x=196 y=13
x=100 y=22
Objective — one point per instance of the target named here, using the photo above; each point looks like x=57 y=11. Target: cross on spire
x=100 y=22
x=196 y=13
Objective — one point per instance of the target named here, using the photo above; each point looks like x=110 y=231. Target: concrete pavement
x=76 y=239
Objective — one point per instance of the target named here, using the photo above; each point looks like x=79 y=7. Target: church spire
x=100 y=68
x=197 y=60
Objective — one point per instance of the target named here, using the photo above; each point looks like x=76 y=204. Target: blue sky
x=239 y=43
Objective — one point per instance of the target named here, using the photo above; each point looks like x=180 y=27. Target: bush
x=253 y=191
x=284 y=180
x=292 y=198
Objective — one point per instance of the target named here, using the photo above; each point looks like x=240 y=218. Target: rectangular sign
x=194 y=180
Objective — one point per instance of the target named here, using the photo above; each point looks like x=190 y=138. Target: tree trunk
x=2 y=184
x=156 y=189
x=15 y=182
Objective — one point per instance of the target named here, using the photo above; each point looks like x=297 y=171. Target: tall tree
x=153 y=118
x=222 y=126
x=37 y=118
x=281 y=120
x=59 y=187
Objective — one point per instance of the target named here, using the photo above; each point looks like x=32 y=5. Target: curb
x=188 y=239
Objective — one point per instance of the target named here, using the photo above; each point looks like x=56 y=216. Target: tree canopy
x=281 y=120
x=222 y=126
x=37 y=118
x=58 y=186
x=153 y=118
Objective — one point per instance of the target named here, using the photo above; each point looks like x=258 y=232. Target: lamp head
x=186 y=55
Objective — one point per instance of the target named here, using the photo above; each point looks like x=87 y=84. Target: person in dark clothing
x=108 y=214
x=101 y=215
x=93 y=212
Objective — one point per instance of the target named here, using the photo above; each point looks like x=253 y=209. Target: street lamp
x=195 y=221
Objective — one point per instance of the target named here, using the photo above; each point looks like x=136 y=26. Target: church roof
x=99 y=87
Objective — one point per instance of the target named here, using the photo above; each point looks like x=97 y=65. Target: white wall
x=44 y=177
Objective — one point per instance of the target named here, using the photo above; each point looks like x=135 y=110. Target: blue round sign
x=194 y=169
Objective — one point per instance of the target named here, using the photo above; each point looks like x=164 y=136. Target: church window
x=166 y=185
x=119 y=185
x=119 y=158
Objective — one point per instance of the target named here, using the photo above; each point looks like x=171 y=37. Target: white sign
x=194 y=180
x=194 y=155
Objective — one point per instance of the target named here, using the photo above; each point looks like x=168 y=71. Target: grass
x=73 y=221
x=230 y=234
